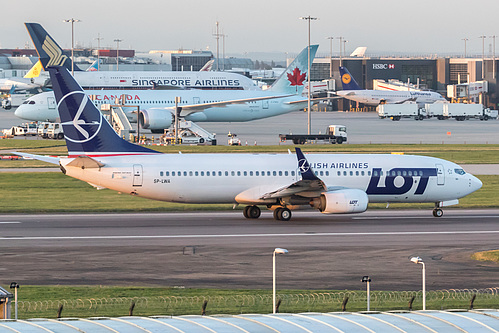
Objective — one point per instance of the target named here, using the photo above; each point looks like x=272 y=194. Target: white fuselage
x=42 y=107
x=219 y=178
x=375 y=97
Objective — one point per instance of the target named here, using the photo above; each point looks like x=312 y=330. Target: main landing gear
x=252 y=212
x=437 y=212
x=280 y=213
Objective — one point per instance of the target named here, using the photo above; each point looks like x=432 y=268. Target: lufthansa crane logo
x=303 y=165
x=346 y=78
x=54 y=52
x=85 y=129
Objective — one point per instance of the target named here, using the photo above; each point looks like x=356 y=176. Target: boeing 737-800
x=351 y=90
x=51 y=54
x=157 y=106
x=331 y=183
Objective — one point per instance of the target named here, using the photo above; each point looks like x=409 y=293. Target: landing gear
x=437 y=212
x=282 y=214
x=252 y=212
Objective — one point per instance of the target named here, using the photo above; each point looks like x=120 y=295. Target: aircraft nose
x=19 y=111
x=475 y=184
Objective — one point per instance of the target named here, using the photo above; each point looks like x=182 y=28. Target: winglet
x=306 y=171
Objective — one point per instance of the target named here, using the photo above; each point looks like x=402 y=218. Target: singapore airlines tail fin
x=49 y=52
x=292 y=80
x=347 y=80
x=86 y=130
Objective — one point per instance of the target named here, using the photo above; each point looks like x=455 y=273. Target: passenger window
x=316 y=173
x=322 y=173
x=327 y=173
x=239 y=173
x=280 y=173
x=207 y=173
x=161 y=173
x=274 y=173
x=351 y=173
x=202 y=173
x=257 y=173
x=196 y=173
x=285 y=173
x=369 y=173
x=190 y=173
x=232 y=173
x=344 y=173
x=362 y=173
x=409 y=173
x=356 y=173
x=399 y=173
x=220 y=173
x=251 y=173
x=292 y=173
x=339 y=173
x=167 y=173
x=226 y=173
x=268 y=173
x=185 y=173
x=245 y=173
x=375 y=173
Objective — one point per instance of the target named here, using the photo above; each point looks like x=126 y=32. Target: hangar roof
x=397 y=321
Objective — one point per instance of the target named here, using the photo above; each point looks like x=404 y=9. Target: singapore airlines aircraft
x=157 y=106
x=339 y=183
x=351 y=90
x=51 y=54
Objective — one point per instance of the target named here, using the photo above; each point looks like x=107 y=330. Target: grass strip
x=492 y=255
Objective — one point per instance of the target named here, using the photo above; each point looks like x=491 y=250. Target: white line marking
x=421 y=217
x=9 y=222
x=408 y=233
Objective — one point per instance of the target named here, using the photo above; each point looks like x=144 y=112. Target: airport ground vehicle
x=334 y=134
x=14 y=100
x=24 y=129
x=54 y=131
x=233 y=140
x=460 y=111
x=398 y=111
x=42 y=129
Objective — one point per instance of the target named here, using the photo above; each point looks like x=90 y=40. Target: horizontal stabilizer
x=48 y=159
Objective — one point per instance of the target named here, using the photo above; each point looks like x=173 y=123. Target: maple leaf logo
x=297 y=78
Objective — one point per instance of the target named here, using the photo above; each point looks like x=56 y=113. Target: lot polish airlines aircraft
x=351 y=90
x=158 y=106
x=331 y=183
x=51 y=54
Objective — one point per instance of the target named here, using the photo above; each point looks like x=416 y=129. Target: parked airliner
x=331 y=183
x=51 y=54
x=157 y=106
x=351 y=90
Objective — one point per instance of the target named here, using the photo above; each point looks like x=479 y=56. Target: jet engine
x=341 y=202
x=155 y=119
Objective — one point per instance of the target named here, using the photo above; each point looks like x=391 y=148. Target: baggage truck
x=398 y=111
x=334 y=134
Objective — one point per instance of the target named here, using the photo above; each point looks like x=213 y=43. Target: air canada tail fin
x=292 y=80
x=86 y=130
x=347 y=80
x=49 y=52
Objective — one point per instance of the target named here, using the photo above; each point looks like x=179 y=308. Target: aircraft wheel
x=254 y=212
x=277 y=213
x=438 y=212
x=284 y=214
x=245 y=212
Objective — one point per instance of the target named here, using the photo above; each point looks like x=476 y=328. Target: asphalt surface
x=224 y=250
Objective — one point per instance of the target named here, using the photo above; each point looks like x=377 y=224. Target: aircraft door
x=137 y=175
x=265 y=104
x=440 y=174
x=51 y=102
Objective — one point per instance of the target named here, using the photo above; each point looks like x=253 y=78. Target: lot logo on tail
x=346 y=78
x=84 y=129
x=303 y=165
x=54 y=52
x=297 y=77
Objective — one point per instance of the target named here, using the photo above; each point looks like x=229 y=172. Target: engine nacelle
x=155 y=119
x=341 y=202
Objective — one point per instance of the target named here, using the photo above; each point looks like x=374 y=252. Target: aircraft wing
x=309 y=186
x=49 y=159
x=193 y=108
x=313 y=99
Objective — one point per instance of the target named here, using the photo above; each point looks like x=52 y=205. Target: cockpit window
x=26 y=102
x=459 y=171
x=31 y=102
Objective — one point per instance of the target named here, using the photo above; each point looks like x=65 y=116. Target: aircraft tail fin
x=347 y=80
x=49 y=52
x=207 y=67
x=292 y=80
x=94 y=67
x=86 y=130
x=34 y=71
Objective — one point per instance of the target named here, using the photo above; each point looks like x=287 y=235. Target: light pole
x=493 y=56
x=418 y=260
x=99 y=38
x=15 y=286
x=330 y=56
x=309 y=117
x=72 y=21
x=367 y=279
x=465 y=40
x=117 y=40
x=341 y=46
x=483 y=55
x=277 y=250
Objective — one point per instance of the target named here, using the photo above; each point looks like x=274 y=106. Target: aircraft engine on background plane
x=155 y=119
x=341 y=202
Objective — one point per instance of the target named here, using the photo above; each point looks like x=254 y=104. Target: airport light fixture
x=367 y=279
x=117 y=40
x=465 y=40
x=493 y=56
x=483 y=55
x=309 y=117
x=418 y=260
x=99 y=38
x=277 y=250
x=341 y=47
x=72 y=21
x=330 y=56
x=15 y=286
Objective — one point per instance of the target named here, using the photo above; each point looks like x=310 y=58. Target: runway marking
x=10 y=222
x=422 y=217
x=402 y=233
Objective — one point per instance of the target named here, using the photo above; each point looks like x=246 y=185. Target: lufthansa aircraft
x=158 y=106
x=351 y=90
x=331 y=183
x=51 y=54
